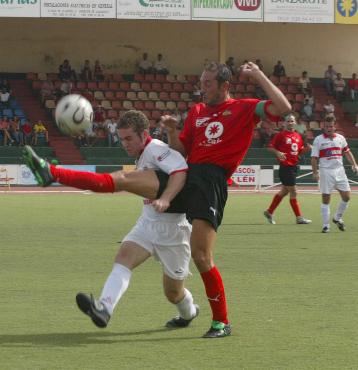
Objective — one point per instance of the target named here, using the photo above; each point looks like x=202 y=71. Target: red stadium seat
x=146 y=86
x=31 y=76
x=103 y=85
x=174 y=96
x=109 y=95
x=149 y=104
x=120 y=95
x=178 y=87
x=167 y=86
x=157 y=86
x=138 y=77
x=182 y=106
x=80 y=85
x=283 y=80
x=124 y=86
x=117 y=77
x=139 y=105
x=112 y=114
x=113 y=85
x=164 y=96
x=156 y=114
x=36 y=84
x=116 y=104
x=92 y=85
x=149 y=78
x=160 y=78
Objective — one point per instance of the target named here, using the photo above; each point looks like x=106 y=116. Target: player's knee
x=174 y=295
x=202 y=260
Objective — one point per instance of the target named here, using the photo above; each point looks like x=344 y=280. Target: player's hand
x=249 y=69
x=169 y=123
x=161 y=205
x=316 y=176
x=281 y=156
x=355 y=169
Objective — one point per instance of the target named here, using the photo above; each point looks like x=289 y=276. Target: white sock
x=115 y=286
x=186 y=307
x=342 y=206
x=326 y=213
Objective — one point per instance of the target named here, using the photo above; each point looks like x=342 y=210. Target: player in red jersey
x=216 y=135
x=287 y=146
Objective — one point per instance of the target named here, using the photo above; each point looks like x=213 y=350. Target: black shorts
x=287 y=175
x=203 y=196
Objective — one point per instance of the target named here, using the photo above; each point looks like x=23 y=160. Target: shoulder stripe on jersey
x=260 y=109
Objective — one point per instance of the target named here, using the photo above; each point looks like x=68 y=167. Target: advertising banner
x=228 y=10
x=79 y=9
x=8 y=174
x=19 y=8
x=299 y=11
x=347 y=11
x=153 y=9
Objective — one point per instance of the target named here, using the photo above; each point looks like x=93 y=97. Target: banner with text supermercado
x=299 y=11
x=228 y=10
x=79 y=8
x=153 y=9
x=19 y=8
x=347 y=11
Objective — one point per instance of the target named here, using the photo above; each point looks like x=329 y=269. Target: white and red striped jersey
x=329 y=150
x=158 y=156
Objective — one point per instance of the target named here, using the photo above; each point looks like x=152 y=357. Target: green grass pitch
x=292 y=292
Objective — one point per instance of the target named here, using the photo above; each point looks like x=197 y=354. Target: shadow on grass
x=83 y=339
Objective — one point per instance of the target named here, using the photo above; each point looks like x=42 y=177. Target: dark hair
x=223 y=73
x=134 y=119
x=330 y=119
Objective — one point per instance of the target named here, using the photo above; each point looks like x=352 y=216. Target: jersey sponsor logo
x=179 y=271
x=201 y=121
x=213 y=210
x=330 y=152
x=213 y=132
x=163 y=156
x=226 y=112
x=247 y=5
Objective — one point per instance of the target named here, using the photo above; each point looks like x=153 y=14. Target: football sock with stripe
x=115 y=286
x=326 y=213
x=186 y=307
x=215 y=293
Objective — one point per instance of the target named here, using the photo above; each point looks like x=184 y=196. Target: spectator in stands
x=88 y=95
x=26 y=129
x=15 y=131
x=328 y=108
x=329 y=76
x=112 y=134
x=231 y=65
x=304 y=83
x=339 y=86
x=145 y=65
x=267 y=131
x=4 y=98
x=155 y=130
x=259 y=64
x=47 y=90
x=39 y=131
x=98 y=120
x=5 y=131
x=301 y=127
x=310 y=99
x=80 y=140
x=279 y=69
x=86 y=73
x=356 y=124
x=90 y=135
x=160 y=66
x=4 y=84
x=353 y=87
x=196 y=94
x=260 y=93
x=306 y=110
x=65 y=88
x=66 y=72
x=98 y=72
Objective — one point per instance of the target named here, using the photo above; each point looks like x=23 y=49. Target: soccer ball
x=73 y=115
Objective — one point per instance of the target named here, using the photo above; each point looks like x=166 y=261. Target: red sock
x=296 y=207
x=215 y=292
x=275 y=202
x=98 y=182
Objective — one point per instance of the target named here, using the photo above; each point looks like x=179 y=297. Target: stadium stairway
x=64 y=149
x=344 y=122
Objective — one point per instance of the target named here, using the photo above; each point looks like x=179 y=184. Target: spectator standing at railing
x=26 y=129
x=160 y=66
x=279 y=69
x=66 y=72
x=5 y=131
x=145 y=65
x=353 y=87
x=339 y=87
x=86 y=73
x=98 y=72
x=329 y=76
x=304 y=83
x=15 y=131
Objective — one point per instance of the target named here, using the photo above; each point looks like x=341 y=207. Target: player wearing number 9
x=287 y=145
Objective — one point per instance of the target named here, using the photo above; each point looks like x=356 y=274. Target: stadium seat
x=181 y=78
x=52 y=76
x=31 y=76
x=124 y=86
x=240 y=88
x=139 y=104
x=36 y=84
x=50 y=104
x=185 y=96
x=188 y=87
x=275 y=80
x=142 y=95
x=164 y=96
x=171 y=105
x=149 y=78
x=139 y=77
x=157 y=86
x=283 y=80
x=106 y=104
x=293 y=80
x=146 y=86
x=42 y=76
x=170 y=78
x=7 y=113
x=127 y=104
x=159 y=105
x=178 y=87
x=160 y=78
x=120 y=95
x=156 y=114
x=117 y=77
x=98 y=95
x=92 y=85
x=149 y=105
x=132 y=95
x=182 y=106
x=314 y=125
x=135 y=86
x=113 y=85
x=174 y=96
x=109 y=95
x=153 y=95
x=80 y=85
x=292 y=88
x=103 y=85
x=290 y=97
x=167 y=86
x=192 y=78
x=116 y=104
x=300 y=97
x=112 y=114
x=283 y=88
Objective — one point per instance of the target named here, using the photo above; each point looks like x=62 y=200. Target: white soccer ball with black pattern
x=73 y=115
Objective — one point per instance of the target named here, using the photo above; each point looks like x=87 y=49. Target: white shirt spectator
x=4 y=96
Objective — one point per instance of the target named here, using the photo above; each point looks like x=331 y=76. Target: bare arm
x=314 y=163
x=175 y=184
x=351 y=160
x=170 y=124
x=277 y=153
x=280 y=105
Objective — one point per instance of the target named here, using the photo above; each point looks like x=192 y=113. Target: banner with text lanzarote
x=228 y=10
x=19 y=8
x=153 y=9
x=299 y=11
x=79 y=9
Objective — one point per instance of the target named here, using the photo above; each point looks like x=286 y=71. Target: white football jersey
x=329 y=150
x=158 y=156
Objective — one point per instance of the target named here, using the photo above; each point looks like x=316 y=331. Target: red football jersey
x=290 y=143
x=220 y=134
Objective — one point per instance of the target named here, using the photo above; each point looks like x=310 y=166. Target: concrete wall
x=42 y=44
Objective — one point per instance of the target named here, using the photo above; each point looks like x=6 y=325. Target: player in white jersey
x=166 y=236
x=327 y=151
